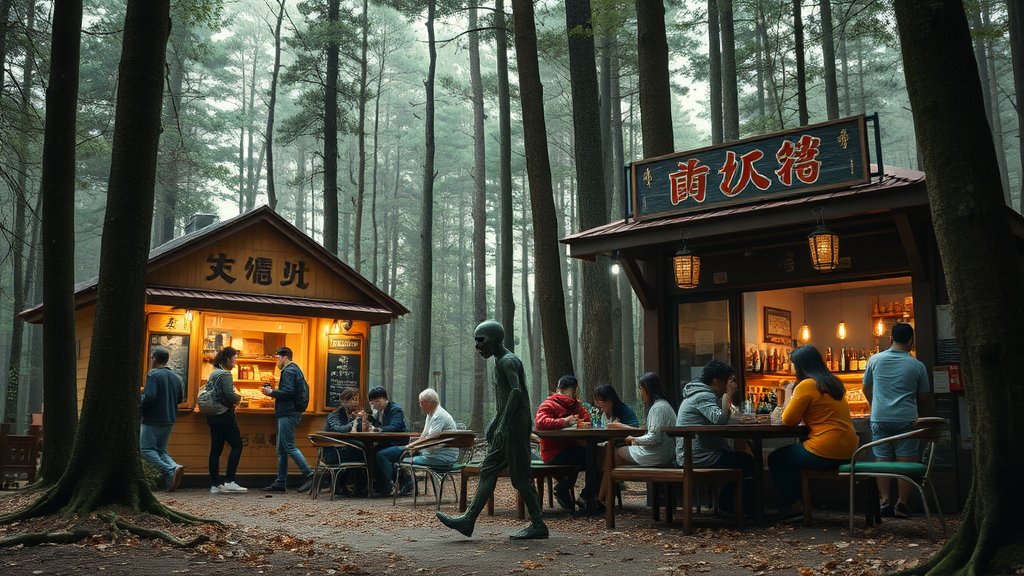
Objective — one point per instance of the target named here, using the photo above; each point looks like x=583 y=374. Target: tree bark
x=170 y=171
x=551 y=299
x=5 y=25
x=1015 y=17
x=801 y=73
x=654 y=83
x=983 y=275
x=57 y=186
x=715 y=73
x=331 y=137
x=480 y=207
x=730 y=96
x=845 y=60
x=506 y=303
x=828 y=51
x=357 y=232
x=272 y=106
x=420 y=376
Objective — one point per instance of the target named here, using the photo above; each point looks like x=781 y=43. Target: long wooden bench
x=19 y=453
x=671 y=477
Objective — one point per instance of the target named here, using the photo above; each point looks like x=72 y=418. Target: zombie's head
x=489 y=337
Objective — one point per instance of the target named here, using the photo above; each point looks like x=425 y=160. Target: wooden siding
x=258 y=241
x=83 y=342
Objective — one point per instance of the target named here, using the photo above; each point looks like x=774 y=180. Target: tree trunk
x=548 y=282
x=506 y=304
x=253 y=176
x=997 y=118
x=982 y=272
x=715 y=73
x=845 y=60
x=860 y=76
x=57 y=186
x=759 y=62
x=828 y=52
x=300 y=190
x=420 y=376
x=357 y=232
x=654 y=82
x=1015 y=17
x=271 y=189
x=627 y=362
x=331 y=137
x=480 y=208
x=596 y=340
x=168 y=183
x=5 y=25
x=730 y=97
x=801 y=73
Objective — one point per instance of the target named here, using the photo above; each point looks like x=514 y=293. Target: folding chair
x=323 y=445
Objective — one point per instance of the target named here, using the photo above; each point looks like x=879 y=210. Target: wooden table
x=369 y=440
x=591 y=437
x=754 y=432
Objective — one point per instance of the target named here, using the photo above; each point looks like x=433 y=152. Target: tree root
x=119 y=525
x=37 y=538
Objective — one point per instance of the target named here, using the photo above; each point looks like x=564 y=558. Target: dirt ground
x=291 y=534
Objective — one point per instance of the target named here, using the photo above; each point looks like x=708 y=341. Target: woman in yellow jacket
x=819 y=399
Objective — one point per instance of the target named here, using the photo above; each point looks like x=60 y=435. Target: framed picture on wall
x=778 y=325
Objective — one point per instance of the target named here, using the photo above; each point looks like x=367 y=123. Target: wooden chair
x=19 y=453
x=929 y=430
x=466 y=444
x=325 y=444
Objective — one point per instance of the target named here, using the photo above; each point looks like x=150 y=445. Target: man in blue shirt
x=894 y=384
x=290 y=401
x=159 y=408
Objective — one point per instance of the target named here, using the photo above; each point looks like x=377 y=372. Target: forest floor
x=287 y=533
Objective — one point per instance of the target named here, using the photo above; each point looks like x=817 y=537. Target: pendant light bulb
x=842 y=330
x=805 y=333
x=880 y=328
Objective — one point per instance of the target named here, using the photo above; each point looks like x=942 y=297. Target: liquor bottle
x=762 y=405
x=842 y=360
x=828 y=358
x=862 y=362
x=757 y=361
x=773 y=361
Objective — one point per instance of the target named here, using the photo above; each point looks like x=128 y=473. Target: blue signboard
x=829 y=155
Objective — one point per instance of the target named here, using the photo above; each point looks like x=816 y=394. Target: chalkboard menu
x=177 y=347
x=344 y=366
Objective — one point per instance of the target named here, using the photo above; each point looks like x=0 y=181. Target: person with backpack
x=290 y=400
x=223 y=427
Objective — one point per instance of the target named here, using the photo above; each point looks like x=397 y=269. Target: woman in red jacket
x=563 y=410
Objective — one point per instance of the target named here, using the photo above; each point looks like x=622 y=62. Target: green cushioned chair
x=928 y=430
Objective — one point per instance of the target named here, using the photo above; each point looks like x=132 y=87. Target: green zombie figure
x=508 y=437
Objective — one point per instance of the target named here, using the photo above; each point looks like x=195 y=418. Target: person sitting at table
x=708 y=401
x=387 y=417
x=655 y=448
x=438 y=420
x=344 y=419
x=819 y=399
x=617 y=414
x=563 y=409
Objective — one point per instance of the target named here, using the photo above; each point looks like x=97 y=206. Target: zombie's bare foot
x=461 y=523
x=535 y=531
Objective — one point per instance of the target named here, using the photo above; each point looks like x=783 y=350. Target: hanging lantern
x=824 y=246
x=687 y=268
x=880 y=328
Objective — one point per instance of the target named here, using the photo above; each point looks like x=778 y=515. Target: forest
x=318 y=108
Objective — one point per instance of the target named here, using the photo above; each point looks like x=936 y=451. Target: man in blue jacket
x=388 y=417
x=159 y=408
x=290 y=401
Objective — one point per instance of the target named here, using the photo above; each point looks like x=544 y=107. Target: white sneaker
x=217 y=490
x=232 y=488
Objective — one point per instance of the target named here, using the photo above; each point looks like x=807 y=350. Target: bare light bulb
x=842 y=330
x=805 y=333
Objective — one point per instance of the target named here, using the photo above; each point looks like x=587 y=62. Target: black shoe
x=273 y=488
x=307 y=484
x=886 y=510
x=406 y=490
x=791 y=517
x=901 y=510
x=562 y=496
x=582 y=505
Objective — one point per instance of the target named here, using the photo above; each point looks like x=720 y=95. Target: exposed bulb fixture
x=880 y=328
x=805 y=333
x=842 y=330
x=842 y=325
x=615 y=269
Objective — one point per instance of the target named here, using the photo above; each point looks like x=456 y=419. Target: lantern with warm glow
x=880 y=328
x=824 y=246
x=687 y=268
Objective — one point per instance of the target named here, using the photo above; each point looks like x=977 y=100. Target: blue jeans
x=286 y=447
x=428 y=460
x=153 y=445
x=785 y=465
x=386 y=459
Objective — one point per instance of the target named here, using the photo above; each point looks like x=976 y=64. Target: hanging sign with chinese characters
x=258 y=270
x=830 y=155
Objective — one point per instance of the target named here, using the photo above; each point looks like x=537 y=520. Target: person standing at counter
x=290 y=401
x=819 y=399
x=223 y=426
x=563 y=410
x=894 y=385
x=159 y=410
x=388 y=417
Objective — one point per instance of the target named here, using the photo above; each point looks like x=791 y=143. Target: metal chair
x=465 y=443
x=917 y=473
x=326 y=443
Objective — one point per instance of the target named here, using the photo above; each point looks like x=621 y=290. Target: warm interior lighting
x=842 y=330
x=824 y=245
x=335 y=327
x=880 y=328
x=842 y=325
x=615 y=269
x=188 y=316
x=805 y=333
x=686 y=265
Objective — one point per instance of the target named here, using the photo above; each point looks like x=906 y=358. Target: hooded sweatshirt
x=551 y=415
x=701 y=407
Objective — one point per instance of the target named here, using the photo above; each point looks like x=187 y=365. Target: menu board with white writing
x=344 y=366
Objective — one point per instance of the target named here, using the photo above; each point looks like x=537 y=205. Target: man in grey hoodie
x=709 y=402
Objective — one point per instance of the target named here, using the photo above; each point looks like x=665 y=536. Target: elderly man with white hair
x=438 y=420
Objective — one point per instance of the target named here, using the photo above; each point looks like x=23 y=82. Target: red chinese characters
x=689 y=182
x=799 y=159
x=748 y=173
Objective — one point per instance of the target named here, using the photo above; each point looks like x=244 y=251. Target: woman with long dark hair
x=223 y=427
x=617 y=414
x=819 y=399
x=655 y=448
